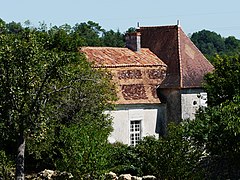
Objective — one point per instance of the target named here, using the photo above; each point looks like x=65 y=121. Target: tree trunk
x=20 y=158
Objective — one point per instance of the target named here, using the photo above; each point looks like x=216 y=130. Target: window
x=135 y=132
x=136 y=117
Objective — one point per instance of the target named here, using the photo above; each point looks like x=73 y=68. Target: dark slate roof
x=186 y=64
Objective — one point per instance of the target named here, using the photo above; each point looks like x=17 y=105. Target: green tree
x=6 y=166
x=84 y=149
x=36 y=83
x=90 y=32
x=113 y=39
x=218 y=126
x=14 y=27
x=3 y=27
x=131 y=30
x=170 y=157
x=28 y=72
x=223 y=84
x=217 y=129
x=232 y=45
x=208 y=42
x=124 y=159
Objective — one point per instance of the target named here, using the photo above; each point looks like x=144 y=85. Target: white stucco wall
x=191 y=102
x=150 y=116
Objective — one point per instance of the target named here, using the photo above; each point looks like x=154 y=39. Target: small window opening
x=194 y=103
x=135 y=132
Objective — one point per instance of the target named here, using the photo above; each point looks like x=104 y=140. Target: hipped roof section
x=111 y=57
x=137 y=74
x=186 y=64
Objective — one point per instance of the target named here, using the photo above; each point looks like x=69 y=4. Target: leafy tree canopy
x=81 y=34
x=45 y=83
x=224 y=83
x=217 y=128
x=211 y=43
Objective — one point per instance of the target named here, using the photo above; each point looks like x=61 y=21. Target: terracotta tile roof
x=120 y=57
x=136 y=74
x=186 y=64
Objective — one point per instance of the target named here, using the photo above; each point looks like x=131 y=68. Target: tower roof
x=186 y=64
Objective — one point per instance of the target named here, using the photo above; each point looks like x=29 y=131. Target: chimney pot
x=133 y=41
x=178 y=23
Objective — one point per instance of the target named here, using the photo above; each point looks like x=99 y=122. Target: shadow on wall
x=161 y=123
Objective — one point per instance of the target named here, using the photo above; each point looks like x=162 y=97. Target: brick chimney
x=133 y=41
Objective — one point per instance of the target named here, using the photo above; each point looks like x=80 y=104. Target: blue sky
x=222 y=17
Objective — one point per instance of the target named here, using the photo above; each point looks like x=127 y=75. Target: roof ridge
x=165 y=26
x=196 y=48
x=106 y=47
x=102 y=47
x=179 y=56
x=129 y=65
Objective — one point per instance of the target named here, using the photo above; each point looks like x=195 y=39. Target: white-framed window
x=135 y=132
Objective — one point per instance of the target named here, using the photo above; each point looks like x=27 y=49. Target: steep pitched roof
x=121 y=57
x=186 y=64
x=136 y=74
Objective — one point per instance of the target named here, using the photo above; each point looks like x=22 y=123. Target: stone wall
x=113 y=176
x=56 y=175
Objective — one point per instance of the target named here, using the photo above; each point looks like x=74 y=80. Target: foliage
x=81 y=126
x=84 y=149
x=113 y=39
x=232 y=45
x=24 y=73
x=170 y=157
x=124 y=159
x=6 y=166
x=44 y=85
x=223 y=84
x=208 y=42
x=211 y=43
x=131 y=30
x=30 y=78
x=218 y=128
x=66 y=37
x=90 y=32
x=3 y=27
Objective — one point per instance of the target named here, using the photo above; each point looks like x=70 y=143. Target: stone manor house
x=159 y=77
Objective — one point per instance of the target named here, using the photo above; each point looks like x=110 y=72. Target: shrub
x=170 y=157
x=123 y=159
x=6 y=167
x=83 y=150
